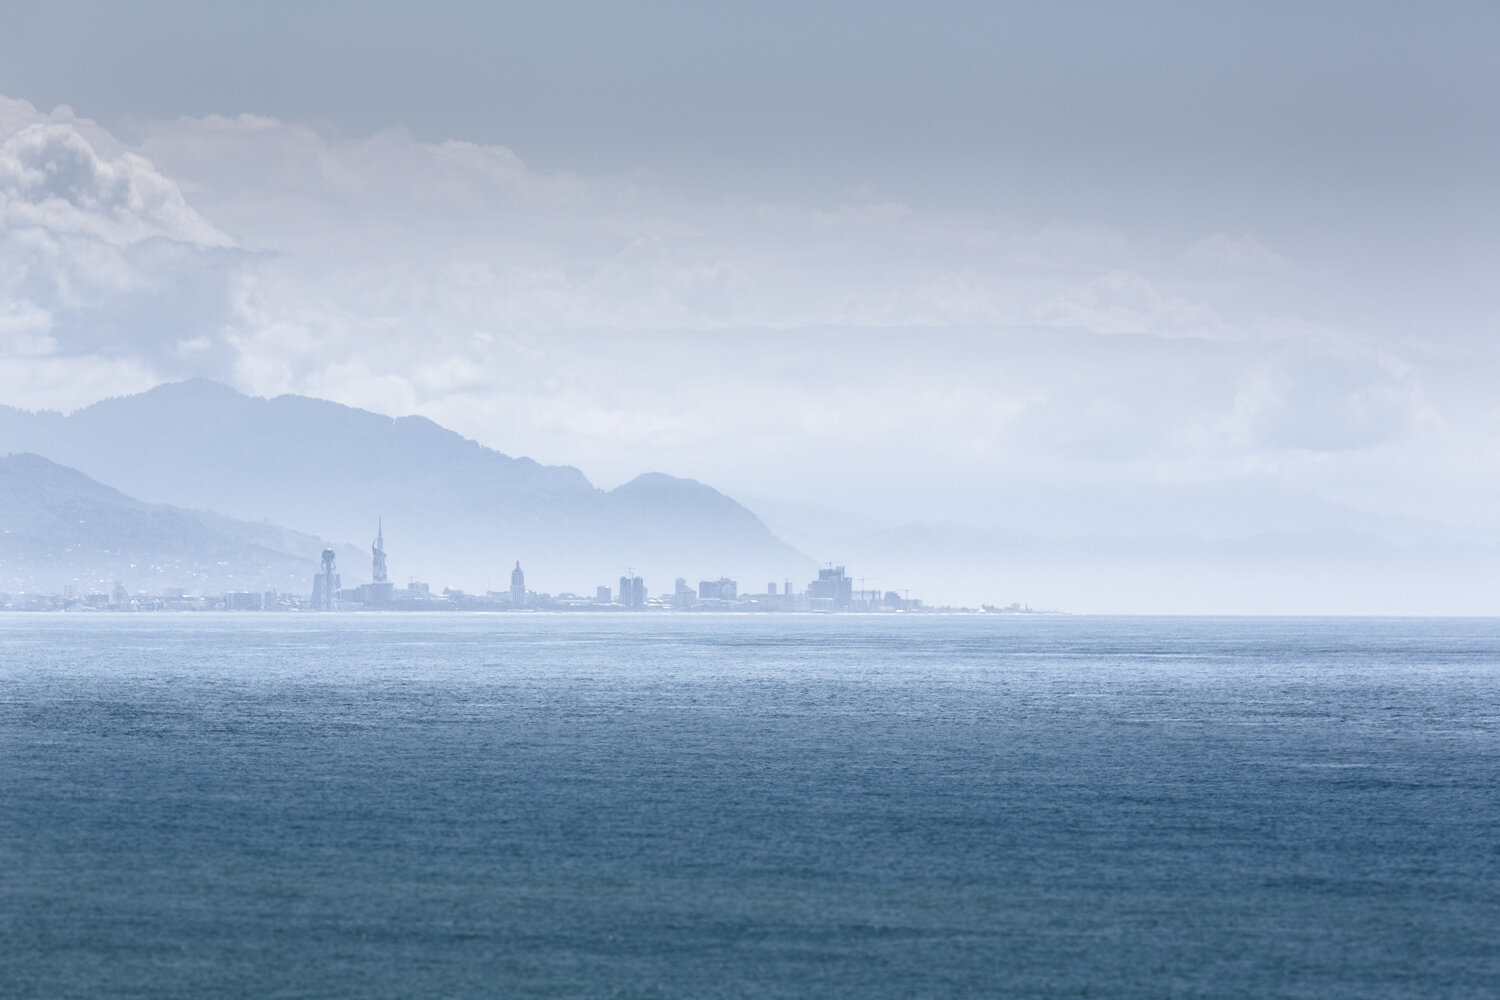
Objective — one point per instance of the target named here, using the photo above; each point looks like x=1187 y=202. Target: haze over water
x=704 y=806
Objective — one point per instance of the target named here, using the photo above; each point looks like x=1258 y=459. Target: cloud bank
x=866 y=353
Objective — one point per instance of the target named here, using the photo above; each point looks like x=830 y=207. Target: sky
x=1066 y=270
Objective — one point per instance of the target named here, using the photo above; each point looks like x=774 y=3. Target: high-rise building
x=517 y=587
x=832 y=590
x=325 y=584
x=722 y=589
x=632 y=592
x=377 y=553
x=376 y=593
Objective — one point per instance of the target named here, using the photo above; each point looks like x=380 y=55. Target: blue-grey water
x=680 y=806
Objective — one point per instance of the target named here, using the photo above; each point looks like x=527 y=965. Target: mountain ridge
x=63 y=528
x=455 y=511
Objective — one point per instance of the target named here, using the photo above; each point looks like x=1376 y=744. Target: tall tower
x=517 y=587
x=377 y=552
x=325 y=584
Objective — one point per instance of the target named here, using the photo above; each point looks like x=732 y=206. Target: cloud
x=528 y=250
x=621 y=323
x=1333 y=403
x=52 y=178
x=1239 y=252
x=25 y=330
x=1126 y=302
x=104 y=266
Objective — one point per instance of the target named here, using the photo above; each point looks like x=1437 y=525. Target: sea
x=698 y=806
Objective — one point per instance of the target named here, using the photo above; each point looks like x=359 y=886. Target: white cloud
x=58 y=383
x=52 y=178
x=106 y=271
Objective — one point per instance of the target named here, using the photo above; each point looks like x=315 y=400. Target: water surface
x=701 y=806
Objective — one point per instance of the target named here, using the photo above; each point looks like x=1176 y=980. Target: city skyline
x=996 y=282
x=832 y=591
x=70 y=541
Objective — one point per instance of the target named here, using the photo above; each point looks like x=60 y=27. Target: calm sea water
x=673 y=806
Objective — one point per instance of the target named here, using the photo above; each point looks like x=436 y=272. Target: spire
x=377 y=553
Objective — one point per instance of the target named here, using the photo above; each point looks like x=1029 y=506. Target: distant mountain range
x=59 y=527
x=455 y=513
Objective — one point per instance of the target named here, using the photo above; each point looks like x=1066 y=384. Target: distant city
x=833 y=591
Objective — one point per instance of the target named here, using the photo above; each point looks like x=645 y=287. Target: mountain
x=59 y=527
x=455 y=513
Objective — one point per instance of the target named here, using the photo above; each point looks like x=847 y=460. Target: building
x=378 y=592
x=831 y=591
x=722 y=589
x=602 y=595
x=377 y=553
x=517 y=587
x=632 y=592
x=326 y=585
